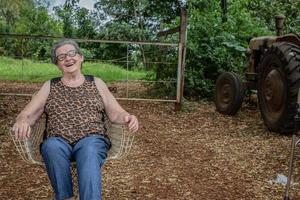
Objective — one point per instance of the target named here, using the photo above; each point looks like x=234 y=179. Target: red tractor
x=273 y=70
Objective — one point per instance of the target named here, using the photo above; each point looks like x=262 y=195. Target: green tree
x=267 y=10
x=31 y=20
x=135 y=20
x=67 y=14
x=215 y=46
x=148 y=14
x=86 y=27
x=10 y=12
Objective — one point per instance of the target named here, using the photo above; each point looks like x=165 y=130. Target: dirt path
x=195 y=154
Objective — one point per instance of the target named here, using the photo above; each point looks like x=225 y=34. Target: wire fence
x=142 y=70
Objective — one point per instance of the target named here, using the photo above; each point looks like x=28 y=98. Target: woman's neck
x=73 y=80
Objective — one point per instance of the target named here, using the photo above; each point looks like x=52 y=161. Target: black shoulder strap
x=89 y=78
x=55 y=80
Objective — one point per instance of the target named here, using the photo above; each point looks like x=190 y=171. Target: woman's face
x=68 y=59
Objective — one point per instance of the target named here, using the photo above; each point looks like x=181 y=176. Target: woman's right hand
x=32 y=111
x=21 y=129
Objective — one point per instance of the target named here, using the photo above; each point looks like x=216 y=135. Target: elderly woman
x=78 y=111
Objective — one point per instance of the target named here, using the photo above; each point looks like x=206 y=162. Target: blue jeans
x=89 y=154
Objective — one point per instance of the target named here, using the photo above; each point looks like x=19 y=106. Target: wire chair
x=29 y=149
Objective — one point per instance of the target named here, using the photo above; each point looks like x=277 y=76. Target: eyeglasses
x=63 y=56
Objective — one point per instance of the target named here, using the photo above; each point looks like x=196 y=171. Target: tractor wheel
x=278 y=84
x=228 y=93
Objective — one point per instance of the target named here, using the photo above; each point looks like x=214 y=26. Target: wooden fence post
x=181 y=58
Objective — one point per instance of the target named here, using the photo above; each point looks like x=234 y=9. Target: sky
x=83 y=3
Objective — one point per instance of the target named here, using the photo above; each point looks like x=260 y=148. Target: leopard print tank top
x=75 y=112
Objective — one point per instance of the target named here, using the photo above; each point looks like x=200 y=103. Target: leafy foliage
x=28 y=19
x=266 y=10
x=213 y=46
x=67 y=14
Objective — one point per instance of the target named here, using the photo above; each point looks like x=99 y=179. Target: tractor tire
x=228 y=95
x=278 y=85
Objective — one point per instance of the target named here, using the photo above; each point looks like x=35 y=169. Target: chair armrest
x=29 y=149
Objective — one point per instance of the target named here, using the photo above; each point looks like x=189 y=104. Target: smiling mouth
x=69 y=65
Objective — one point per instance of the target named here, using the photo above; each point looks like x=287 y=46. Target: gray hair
x=60 y=43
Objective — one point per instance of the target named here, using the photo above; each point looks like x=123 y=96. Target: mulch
x=193 y=154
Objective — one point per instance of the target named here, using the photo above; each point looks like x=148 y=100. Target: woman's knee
x=93 y=147
x=92 y=144
x=54 y=145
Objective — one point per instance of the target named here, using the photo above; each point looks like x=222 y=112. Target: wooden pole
x=181 y=58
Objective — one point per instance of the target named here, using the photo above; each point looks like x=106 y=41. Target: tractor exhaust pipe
x=279 y=22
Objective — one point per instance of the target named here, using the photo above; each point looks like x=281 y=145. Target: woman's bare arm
x=114 y=111
x=32 y=111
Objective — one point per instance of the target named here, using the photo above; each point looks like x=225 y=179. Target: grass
x=28 y=70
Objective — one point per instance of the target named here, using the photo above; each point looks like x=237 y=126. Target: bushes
x=215 y=46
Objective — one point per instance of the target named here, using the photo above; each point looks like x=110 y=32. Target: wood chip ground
x=193 y=154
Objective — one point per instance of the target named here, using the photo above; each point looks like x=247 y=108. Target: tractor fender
x=257 y=43
x=291 y=38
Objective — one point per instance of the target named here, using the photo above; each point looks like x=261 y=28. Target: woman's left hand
x=132 y=122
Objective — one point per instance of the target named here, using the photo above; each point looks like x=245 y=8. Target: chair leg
x=291 y=161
